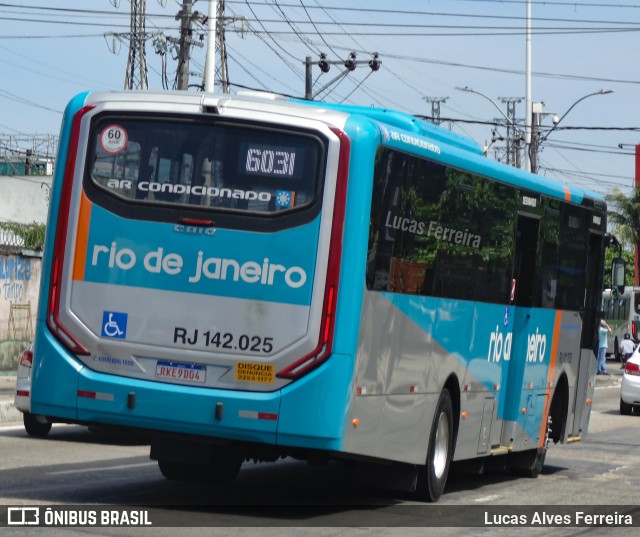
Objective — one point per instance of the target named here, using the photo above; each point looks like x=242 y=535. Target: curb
x=7 y=380
x=8 y=412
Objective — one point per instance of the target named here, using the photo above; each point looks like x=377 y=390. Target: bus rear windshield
x=223 y=166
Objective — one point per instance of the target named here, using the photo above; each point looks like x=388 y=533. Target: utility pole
x=528 y=94
x=180 y=47
x=308 y=77
x=209 y=82
x=136 y=73
x=435 y=108
x=184 y=53
x=221 y=49
x=513 y=136
x=136 y=76
x=216 y=63
x=536 y=120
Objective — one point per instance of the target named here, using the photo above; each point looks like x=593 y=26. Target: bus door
x=588 y=350
x=520 y=404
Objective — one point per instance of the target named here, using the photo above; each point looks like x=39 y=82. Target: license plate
x=178 y=371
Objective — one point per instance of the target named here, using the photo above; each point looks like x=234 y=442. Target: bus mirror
x=618 y=269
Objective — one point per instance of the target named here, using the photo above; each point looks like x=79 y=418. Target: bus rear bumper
x=177 y=409
x=301 y=415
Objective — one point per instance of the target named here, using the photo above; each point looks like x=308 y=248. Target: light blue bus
x=621 y=311
x=250 y=277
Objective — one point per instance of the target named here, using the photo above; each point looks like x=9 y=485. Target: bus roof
x=407 y=122
x=421 y=127
x=464 y=151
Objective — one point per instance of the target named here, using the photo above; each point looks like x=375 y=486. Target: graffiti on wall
x=19 y=283
x=14 y=273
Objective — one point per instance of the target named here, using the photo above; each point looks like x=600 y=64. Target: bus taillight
x=323 y=349
x=57 y=262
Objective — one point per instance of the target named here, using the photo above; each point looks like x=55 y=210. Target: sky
x=51 y=50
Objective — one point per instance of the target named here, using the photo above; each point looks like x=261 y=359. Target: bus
x=622 y=313
x=250 y=277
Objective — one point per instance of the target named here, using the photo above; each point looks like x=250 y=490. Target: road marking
x=617 y=386
x=20 y=427
x=100 y=468
x=490 y=498
x=11 y=427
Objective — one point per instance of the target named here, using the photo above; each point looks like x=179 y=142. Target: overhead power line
x=326 y=9
x=554 y=3
x=595 y=25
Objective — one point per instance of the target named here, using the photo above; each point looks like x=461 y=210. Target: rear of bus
x=191 y=275
x=622 y=314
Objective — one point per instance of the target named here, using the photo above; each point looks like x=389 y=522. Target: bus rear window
x=218 y=165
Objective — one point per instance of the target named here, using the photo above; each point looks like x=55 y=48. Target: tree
x=624 y=215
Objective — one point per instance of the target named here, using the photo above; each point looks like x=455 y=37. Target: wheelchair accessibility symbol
x=114 y=324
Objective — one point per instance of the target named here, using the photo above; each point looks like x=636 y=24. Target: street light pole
x=511 y=125
x=210 y=62
x=528 y=117
x=534 y=148
x=470 y=90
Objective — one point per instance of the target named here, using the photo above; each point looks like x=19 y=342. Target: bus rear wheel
x=179 y=471
x=37 y=426
x=432 y=477
x=222 y=469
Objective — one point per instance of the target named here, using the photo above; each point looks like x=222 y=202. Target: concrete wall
x=19 y=288
x=24 y=200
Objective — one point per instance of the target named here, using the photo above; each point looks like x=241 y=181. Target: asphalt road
x=76 y=466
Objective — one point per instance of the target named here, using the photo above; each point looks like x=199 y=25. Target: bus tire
x=432 y=476
x=222 y=470
x=225 y=466
x=37 y=426
x=178 y=471
x=528 y=463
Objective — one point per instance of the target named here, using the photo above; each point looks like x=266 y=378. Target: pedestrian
x=626 y=349
x=603 y=343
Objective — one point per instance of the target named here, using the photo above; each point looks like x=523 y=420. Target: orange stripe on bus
x=567 y=193
x=550 y=376
x=82 y=239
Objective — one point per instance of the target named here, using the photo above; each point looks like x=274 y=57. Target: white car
x=33 y=424
x=630 y=388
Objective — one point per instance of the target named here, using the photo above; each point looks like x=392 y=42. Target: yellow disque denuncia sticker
x=254 y=372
